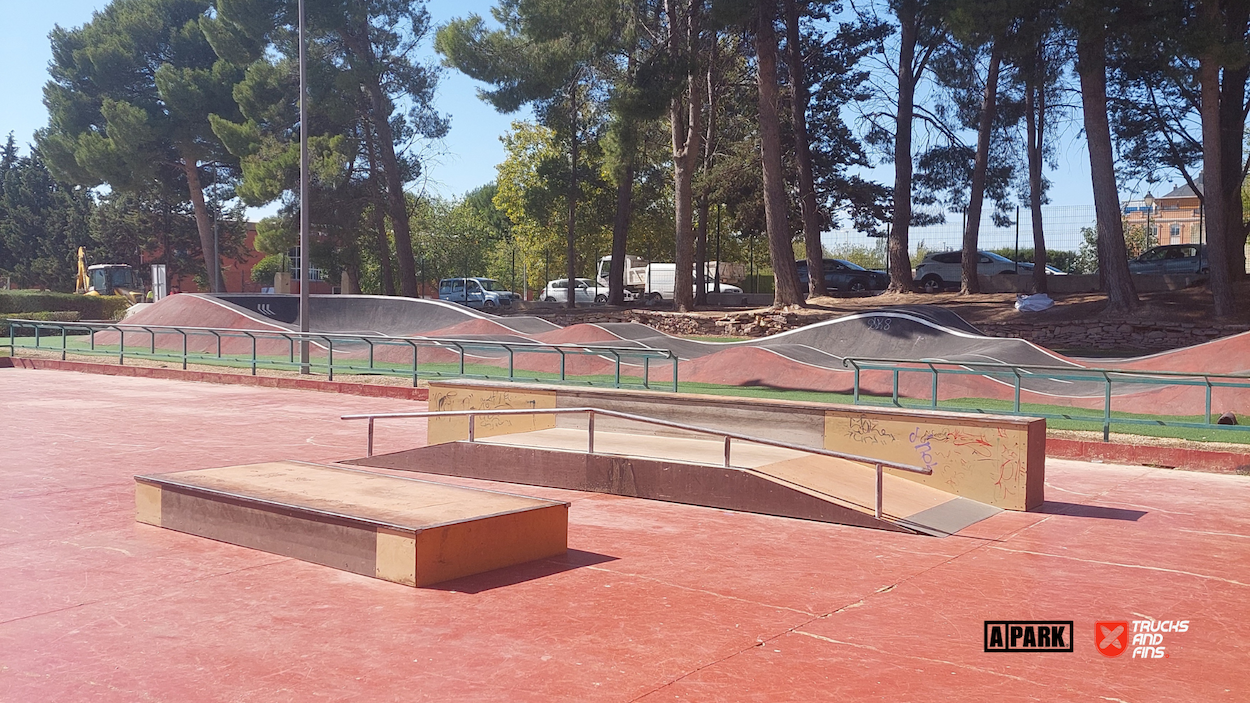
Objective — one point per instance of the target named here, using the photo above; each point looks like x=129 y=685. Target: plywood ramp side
x=442 y=430
x=460 y=549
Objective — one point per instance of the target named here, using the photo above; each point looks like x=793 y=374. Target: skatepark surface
x=654 y=601
x=808 y=358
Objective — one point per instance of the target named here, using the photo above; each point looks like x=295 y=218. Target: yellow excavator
x=108 y=279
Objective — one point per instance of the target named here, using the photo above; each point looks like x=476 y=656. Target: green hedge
x=88 y=307
x=43 y=316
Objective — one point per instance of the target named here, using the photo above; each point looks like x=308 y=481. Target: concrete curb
x=305 y=384
x=1145 y=455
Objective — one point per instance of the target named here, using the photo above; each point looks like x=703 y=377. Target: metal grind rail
x=147 y=349
x=590 y=443
x=1014 y=374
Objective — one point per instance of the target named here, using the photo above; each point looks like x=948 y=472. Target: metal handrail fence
x=590 y=443
x=327 y=340
x=1017 y=373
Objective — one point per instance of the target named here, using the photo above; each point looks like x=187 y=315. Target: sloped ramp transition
x=767 y=480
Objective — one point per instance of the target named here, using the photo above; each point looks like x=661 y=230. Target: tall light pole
x=304 y=248
x=1150 y=208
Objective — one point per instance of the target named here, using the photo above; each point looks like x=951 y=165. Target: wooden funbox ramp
x=398 y=529
x=981 y=464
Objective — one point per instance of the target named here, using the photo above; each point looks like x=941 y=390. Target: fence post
x=617 y=382
x=36 y=326
x=935 y=385
x=121 y=346
x=330 y=357
x=675 y=359
x=471 y=431
x=728 y=439
x=895 y=397
x=370 y=343
x=253 y=337
x=590 y=435
x=1016 y=371
x=1106 y=409
x=184 y=349
x=1207 y=380
x=63 y=341
x=369 y=448
x=855 y=397
x=646 y=371
x=414 y=363
x=511 y=362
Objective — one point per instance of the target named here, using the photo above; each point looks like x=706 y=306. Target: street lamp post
x=304 y=248
x=1150 y=208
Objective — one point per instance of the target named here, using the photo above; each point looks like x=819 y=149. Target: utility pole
x=305 y=252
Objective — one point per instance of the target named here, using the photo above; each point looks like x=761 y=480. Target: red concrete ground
x=655 y=602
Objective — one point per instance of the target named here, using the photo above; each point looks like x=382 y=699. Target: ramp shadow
x=1053 y=507
x=511 y=575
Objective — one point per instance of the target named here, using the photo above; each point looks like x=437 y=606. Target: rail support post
x=471 y=428
x=728 y=439
x=879 y=484
x=590 y=434
x=369 y=446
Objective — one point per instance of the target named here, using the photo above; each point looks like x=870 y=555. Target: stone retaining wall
x=1093 y=334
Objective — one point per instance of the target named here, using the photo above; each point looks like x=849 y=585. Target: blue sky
x=467 y=156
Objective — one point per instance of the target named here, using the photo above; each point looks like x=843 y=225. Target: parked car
x=845 y=275
x=1172 y=258
x=943 y=269
x=1026 y=267
x=585 y=291
x=481 y=293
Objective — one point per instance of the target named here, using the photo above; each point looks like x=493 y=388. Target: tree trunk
x=1035 y=128
x=1213 y=183
x=700 y=252
x=620 y=230
x=358 y=42
x=378 y=196
x=384 y=249
x=1232 y=132
x=1113 y=260
x=803 y=153
x=776 y=205
x=900 y=259
x=397 y=203
x=980 y=164
x=570 y=236
x=212 y=267
x=684 y=113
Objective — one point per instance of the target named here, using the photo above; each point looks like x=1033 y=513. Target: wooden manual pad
x=398 y=529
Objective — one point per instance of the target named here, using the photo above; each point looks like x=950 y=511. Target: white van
x=650 y=282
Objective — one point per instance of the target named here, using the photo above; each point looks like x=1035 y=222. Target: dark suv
x=844 y=275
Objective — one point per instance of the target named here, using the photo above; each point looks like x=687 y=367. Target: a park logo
x=1028 y=635
x=1111 y=637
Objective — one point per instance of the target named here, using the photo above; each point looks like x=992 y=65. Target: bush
x=88 y=307
x=264 y=269
x=43 y=316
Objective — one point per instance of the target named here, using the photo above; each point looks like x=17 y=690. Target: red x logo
x=1111 y=637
